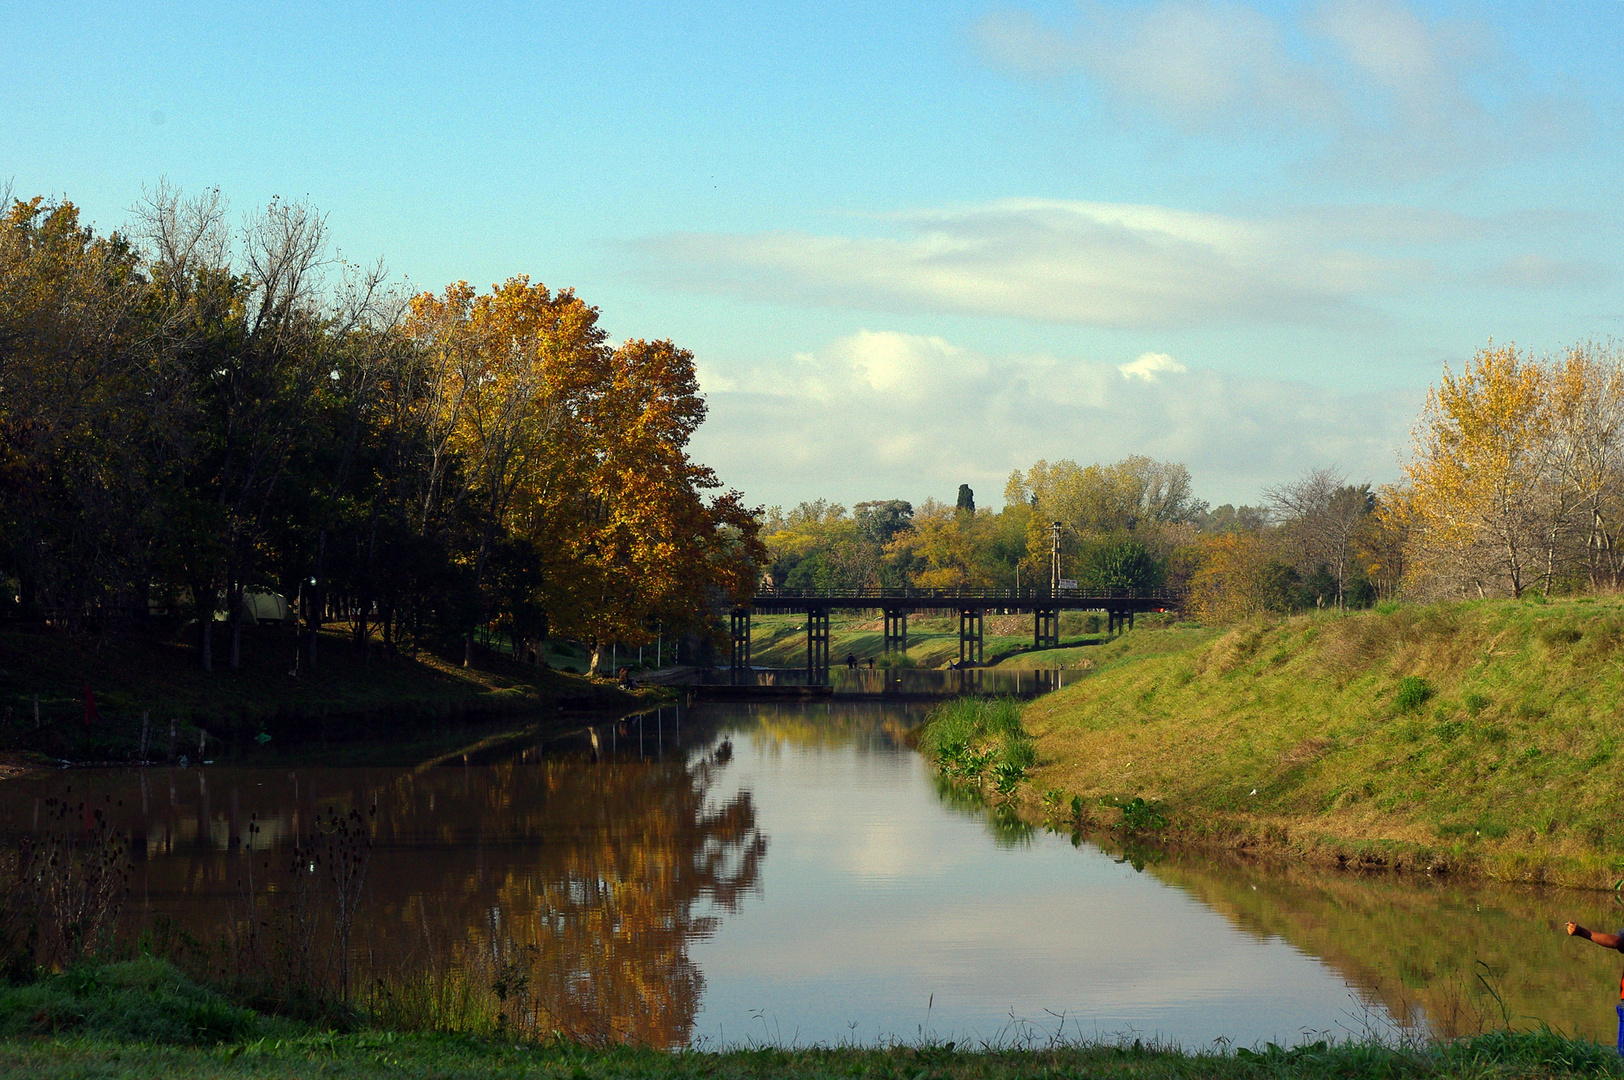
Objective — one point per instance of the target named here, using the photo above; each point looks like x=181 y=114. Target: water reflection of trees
x=586 y=881
x=591 y=879
x=831 y=725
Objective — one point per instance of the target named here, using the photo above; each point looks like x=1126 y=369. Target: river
x=795 y=874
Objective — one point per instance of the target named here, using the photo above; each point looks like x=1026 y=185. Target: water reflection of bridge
x=972 y=606
x=893 y=684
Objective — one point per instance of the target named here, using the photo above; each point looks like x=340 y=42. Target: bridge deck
x=978 y=600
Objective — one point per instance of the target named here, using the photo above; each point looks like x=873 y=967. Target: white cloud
x=1532 y=271
x=824 y=424
x=1375 y=86
x=1149 y=366
x=1086 y=263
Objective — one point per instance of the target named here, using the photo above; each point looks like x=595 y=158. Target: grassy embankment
x=1480 y=737
x=132 y=674
x=780 y=640
x=145 y=1018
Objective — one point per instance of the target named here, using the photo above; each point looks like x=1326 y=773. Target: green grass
x=370 y=1054
x=1477 y=736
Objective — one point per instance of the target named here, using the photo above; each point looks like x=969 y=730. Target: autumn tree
x=652 y=547
x=519 y=371
x=1478 y=473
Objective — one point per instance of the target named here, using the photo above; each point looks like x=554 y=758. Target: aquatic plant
x=1140 y=814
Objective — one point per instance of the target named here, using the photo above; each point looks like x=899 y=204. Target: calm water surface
x=791 y=873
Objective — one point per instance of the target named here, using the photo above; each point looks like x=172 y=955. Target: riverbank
x=92 y=695
x=144 y=1018
x=1473 y=738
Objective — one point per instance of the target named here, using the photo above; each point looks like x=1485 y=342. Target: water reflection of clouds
x=880 y=899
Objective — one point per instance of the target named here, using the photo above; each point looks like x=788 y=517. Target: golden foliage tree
x=1516 y=476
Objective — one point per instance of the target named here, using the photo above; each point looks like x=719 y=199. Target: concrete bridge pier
x=1046 y=628
x=741 y=638
x=972 y=636
x=896 y=631
x=1115 y=619
x=817 y=643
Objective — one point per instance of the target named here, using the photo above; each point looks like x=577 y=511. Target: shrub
x=1413 y=693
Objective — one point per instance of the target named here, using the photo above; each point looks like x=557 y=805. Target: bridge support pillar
x=972 y=636
x=741 y=638
x=896 y=631
x=1115 y=619
x=1046 y=628
x=817 y=643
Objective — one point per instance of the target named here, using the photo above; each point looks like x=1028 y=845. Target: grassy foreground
x=1480 y=737
x=383 y=1054
x=143 y=1018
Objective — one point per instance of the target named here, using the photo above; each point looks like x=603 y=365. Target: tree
x=1120 y=563
x=1322 y=515
x=967 y=499
x=1137 y=495
x=1239 y=576
x=1478 y=472
x=1587 y=496
x=879 y=522
x=948 y=548
x=648 y=547
x=519 y=373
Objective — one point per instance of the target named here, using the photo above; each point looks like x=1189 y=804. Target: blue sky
x=914 y=245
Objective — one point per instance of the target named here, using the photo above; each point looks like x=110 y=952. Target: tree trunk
x=316 y=604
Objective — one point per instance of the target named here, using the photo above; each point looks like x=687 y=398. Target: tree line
x=193 y=410
x=1132 y=524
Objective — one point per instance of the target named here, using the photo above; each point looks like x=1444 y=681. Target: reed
x=973 y=739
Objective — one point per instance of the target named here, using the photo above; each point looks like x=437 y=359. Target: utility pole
x=1054 y=559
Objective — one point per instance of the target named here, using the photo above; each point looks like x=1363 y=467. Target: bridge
x=972 y=605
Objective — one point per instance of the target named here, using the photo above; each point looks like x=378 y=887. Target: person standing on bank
x=1606 y=941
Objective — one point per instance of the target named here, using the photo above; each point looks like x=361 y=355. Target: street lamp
x=1054 y=560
